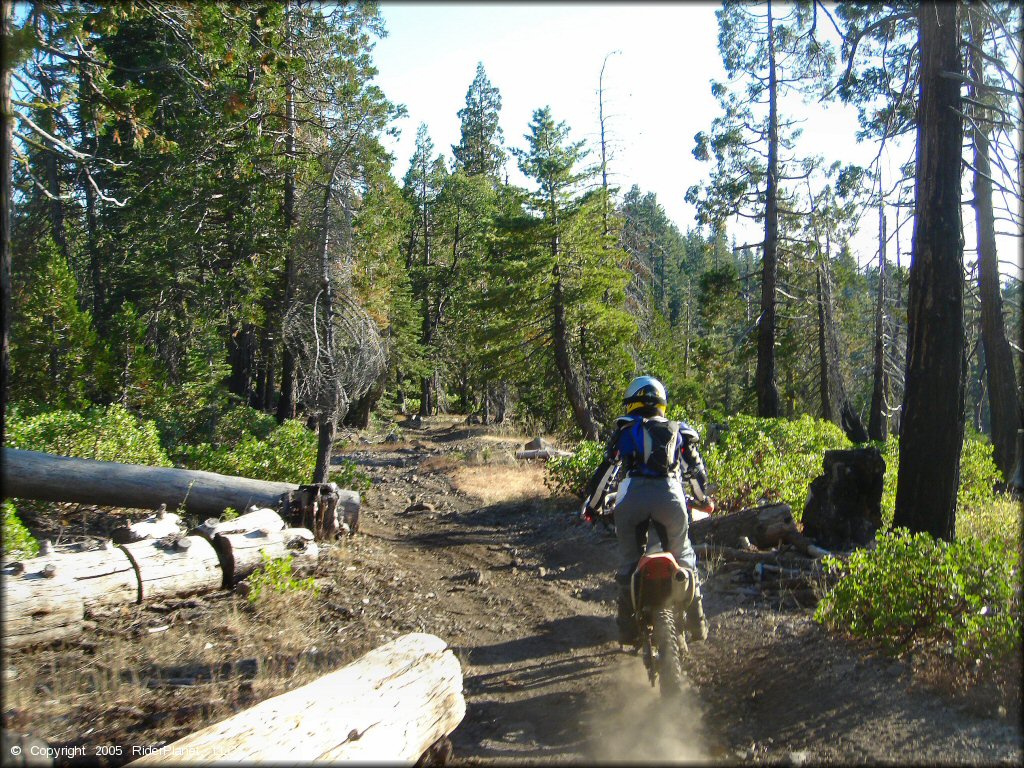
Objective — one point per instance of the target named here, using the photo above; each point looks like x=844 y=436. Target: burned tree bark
x=932 y=424
x=844 y=504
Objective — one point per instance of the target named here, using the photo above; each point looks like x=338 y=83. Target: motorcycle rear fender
x=659 y=580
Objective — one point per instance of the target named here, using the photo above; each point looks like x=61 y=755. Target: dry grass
x=494 y=484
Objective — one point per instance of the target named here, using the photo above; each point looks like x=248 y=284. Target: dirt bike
x=662 y=590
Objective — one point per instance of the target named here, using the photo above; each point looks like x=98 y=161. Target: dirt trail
x=523 y=592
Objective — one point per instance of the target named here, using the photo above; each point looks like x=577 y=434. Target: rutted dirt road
x=523 y=592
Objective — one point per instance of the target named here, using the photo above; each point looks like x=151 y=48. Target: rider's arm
x=599 y=480
x=692 y=464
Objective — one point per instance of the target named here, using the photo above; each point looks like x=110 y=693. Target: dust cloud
x=629 y=722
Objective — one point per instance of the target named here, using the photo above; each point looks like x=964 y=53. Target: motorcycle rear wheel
x=671 y=647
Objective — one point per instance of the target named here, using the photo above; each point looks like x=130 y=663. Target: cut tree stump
x=766 y=526
x=41 y=603
x=174 y=567
x=844 y=504
x=242 y=553
x=390 y=706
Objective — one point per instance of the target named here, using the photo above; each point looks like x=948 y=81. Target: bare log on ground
x=45 y=477
x=255 y=519
x=174 y=567
x=390 y=706
x=41 y=604
x=766 y=526
x=542 y=453
x=242 y=553
x=157 y=526
x=104 y=577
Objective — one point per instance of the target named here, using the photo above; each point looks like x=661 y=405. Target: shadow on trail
x=556 y=636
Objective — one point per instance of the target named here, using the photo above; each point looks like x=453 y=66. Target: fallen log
x=46 y=477
x=255 y=519
x=174 y=567
x=242 y=553
x=542 y=453
x=104 y=577
x=390 y=706
x=157 y=526
x=766 y=526
x=41 y=604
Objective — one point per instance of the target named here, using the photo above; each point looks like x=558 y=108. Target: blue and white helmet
x=645 y=390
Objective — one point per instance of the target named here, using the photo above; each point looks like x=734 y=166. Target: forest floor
x=459 y=540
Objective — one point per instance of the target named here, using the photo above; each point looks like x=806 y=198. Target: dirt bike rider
x=654 y=452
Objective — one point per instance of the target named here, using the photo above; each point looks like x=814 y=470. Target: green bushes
x=770 y=459
x=978 y=476
x=275 y=575
x=106 y=434
x=17 y=541
x=348 y=475
x=568 y=475
x=915 y=591
x=288 y=454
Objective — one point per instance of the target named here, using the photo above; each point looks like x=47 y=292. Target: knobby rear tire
x=670 y=652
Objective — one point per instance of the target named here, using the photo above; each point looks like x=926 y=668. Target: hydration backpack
x=649 y=447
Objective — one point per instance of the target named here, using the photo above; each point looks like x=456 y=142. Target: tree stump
x=844 y=504
x=390 y=706
x=41 y=603
x=174 y=567
x=242 y=553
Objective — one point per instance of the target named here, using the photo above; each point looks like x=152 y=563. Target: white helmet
x=645 y=390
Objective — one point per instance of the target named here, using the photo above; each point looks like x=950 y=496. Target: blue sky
x=657 y=89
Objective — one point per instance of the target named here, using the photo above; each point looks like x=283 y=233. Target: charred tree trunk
x=286 y=403
x=933 y=401
x=1003 y=399
x=878 y=425
x=7 y=116
x=764 y=378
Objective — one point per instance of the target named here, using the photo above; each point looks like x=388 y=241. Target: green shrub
x=287 y=455
x=240 y=422
x=568 y=475
x=347 y=475
x=915 y=591
x=275 y=575
x=107 y=434
x=978 y=476
x=17 y=541
x=773 y=459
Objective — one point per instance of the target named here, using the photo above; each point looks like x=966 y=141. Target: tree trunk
x=878 y=424
x=7 y=116
x=933 y=399
x=286 y=404
x=765 y=526
x=764 y=378
x=326 y=429
x=1003 y=399
x=580 y=408
x=42 y=476
x=836 y=405
x=388 y=707
x=86 y=137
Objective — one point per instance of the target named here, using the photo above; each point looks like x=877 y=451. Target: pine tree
x=479 y=151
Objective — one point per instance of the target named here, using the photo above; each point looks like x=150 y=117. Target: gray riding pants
x=648 y=510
